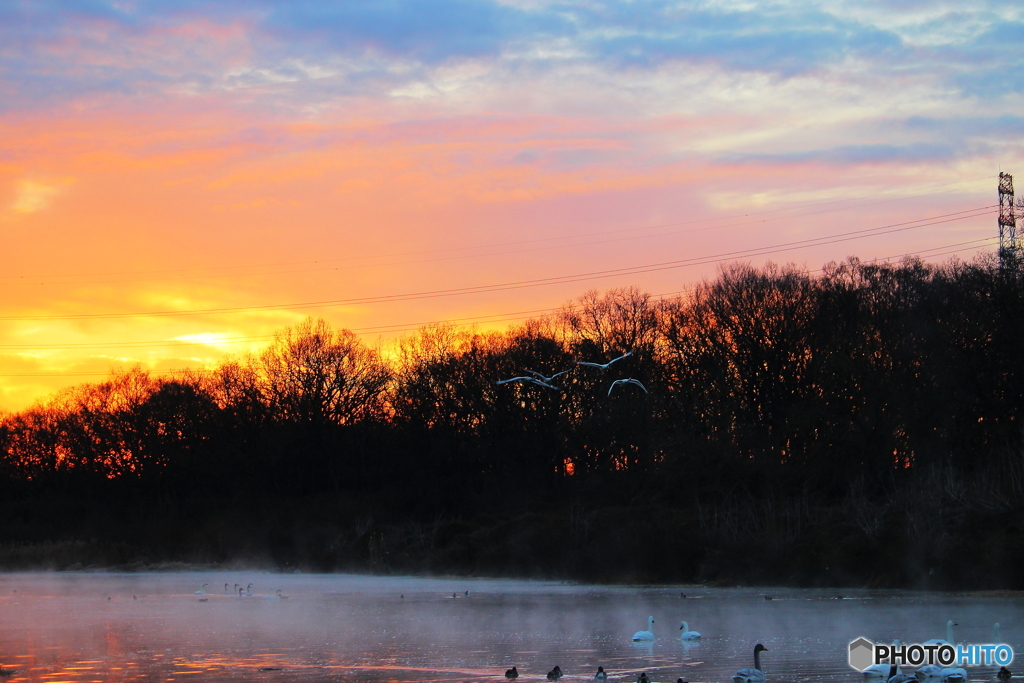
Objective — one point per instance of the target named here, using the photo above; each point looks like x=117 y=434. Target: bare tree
x=313 y=373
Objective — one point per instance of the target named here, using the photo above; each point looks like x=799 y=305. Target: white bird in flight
x=542 y=378
x=627 y=381
x=604 y=366
x=528 y=379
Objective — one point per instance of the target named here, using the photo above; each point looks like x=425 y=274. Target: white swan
x=755 y=675
x=949 y=636
x=202 y=589
x=273 y=596
x=881 y=672
x=900 y=677
x=953 y=674
x=248 y=589
x=227 y=591
x=687 y=634
x=641 y=636
x=604 y=366
x=534 y=380
x=626 y=381
x=543 y=378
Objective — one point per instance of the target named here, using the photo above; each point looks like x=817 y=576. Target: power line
x=404 y=327
x=488 y=246
x=563 y=279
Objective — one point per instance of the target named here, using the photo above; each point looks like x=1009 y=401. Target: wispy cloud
x=35 y=195
x=208 y=135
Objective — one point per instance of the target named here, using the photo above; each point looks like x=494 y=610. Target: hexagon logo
x=862 y=653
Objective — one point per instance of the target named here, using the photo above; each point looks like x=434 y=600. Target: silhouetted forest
x=861 y=426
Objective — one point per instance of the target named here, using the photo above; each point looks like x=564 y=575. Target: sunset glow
x=180 y=180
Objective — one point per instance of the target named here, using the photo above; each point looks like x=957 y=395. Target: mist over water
x=152 y=626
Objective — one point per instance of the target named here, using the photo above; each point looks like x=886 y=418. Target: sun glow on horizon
x=178 y=185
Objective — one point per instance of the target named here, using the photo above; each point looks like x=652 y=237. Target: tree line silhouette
x=860 y=426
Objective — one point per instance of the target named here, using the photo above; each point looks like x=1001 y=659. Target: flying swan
x=604 y=366
x=527 y=379
x=626 y=381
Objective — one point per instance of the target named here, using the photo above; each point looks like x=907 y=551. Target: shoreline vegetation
x=861 y=427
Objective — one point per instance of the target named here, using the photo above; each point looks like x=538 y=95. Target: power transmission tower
x=1009 y=248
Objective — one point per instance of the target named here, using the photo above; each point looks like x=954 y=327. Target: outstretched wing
x=545 y=378
x=625 y=355
x=515 y=379
x=637 y=382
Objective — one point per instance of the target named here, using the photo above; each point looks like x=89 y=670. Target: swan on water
x=755 y=675
x=555 y=674
x=227 y=591
x=949 y=636
x=879 y=672
x=953 y=674
x=900 y=677
x=202 y=589
x=642 y=678
x=604 y=366
x=687 y=634
x=626 y=381
x=248 y=589
x=641 y=636
x=928 y=672
x=600 y=676
x=1004 y=674
x=512 y=674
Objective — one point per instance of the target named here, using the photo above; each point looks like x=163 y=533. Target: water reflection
x=142 y=627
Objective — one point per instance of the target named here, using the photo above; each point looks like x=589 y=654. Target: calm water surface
x=153 y=627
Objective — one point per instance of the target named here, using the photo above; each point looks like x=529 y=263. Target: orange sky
x=183 y=196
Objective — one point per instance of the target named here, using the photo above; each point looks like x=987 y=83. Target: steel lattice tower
x=1009 y=248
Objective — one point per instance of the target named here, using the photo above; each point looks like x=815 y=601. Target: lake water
x=153 y=627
